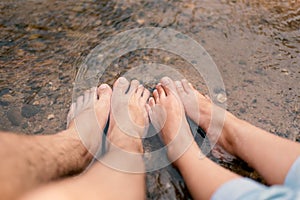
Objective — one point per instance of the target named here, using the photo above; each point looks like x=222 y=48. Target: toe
x=145 y=96
x=121 y=85
x=133 y=86
x=79 y=103
x=148 y=109
x=168 y=85
x=187 y=86
x=179 y=88
x=151 y=102
x=104 y=92
x=156 y=96
x=86 y=96
x=140 y=90
x=161 y=91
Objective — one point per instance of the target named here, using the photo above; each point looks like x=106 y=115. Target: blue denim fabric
x=245 y=188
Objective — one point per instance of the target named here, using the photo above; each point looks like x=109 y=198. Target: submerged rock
x=29 y=110
x=14 y=116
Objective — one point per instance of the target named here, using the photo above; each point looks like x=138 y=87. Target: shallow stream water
x=255 y=45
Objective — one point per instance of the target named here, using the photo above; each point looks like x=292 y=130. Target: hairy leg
x=270 y=155
x=113 y=177
x=28 y=161
x=175 y=131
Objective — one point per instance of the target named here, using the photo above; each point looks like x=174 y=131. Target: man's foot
x=128 y=118
x=88 y=116
x=199 y=108
x=167 y=114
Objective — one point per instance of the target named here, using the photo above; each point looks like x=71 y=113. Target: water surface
x=255 y=45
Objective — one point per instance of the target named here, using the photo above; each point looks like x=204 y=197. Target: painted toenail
x=122 y=80
x=102 y=86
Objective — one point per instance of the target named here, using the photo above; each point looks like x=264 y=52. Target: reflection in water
x=255 y=45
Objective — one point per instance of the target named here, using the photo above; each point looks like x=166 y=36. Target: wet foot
x=128 y=118
x=88 y=116
x=199 y=108
x=167 y=115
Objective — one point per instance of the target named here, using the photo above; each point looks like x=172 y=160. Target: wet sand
x=255 y=45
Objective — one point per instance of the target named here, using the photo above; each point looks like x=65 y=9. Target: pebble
x=38 y=130
x=242 y=62
x=30 y=110
x=50 y=117
x=14 y=116
x=4 y=103
x=140 y=21
x=285 y=71
x=7 y=97
x=4 y=91
x=221 y=98
x=36 y=103
x=20 y=52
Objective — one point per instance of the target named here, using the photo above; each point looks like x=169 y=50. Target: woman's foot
x=88 y=116
x=128 y=118
x=167 y=115
x=200 y=108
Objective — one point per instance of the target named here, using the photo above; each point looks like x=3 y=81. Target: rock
x=50 y=117
x=14 y=116
x=25 y=125
x=7 y=97
x=242 y=62
x=29 y=110
x=242 y=110
x=4 y=103
x=38 y=130
x=285 y=71
x=4 y=91
x=140 y=21
x=36 y=103
x=221 y=98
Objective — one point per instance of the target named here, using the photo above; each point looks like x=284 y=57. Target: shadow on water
x=255 y=45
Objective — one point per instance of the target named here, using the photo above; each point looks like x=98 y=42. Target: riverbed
x=255 y=45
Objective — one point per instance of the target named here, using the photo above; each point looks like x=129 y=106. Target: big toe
x=121 y=85
x=168 y=85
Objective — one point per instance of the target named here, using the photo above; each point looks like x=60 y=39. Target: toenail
x=122 y=80
x=102 y=86
x=178 y=83
x=165 y=81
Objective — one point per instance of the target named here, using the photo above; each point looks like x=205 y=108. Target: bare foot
x=88 y=116
x=167 y=114
x=199 y=108
x=128 y=118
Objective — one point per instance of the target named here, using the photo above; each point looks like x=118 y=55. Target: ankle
x=192 y=152
x=121 y=141
x=231 y=133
